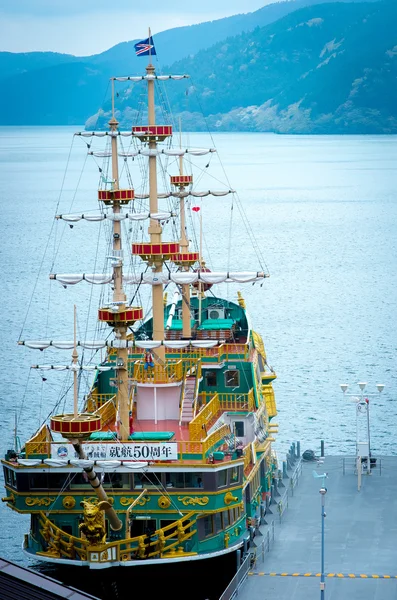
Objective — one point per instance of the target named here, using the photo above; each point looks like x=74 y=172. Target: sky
x=84 y=27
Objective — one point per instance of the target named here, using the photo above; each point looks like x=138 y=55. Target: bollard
x=293 y=450
x=275 y=483
x=322 y=449
x=285 y=474
x=289 y=461
x=268 y=510
x=238 y=557
x=280 y=478
x=257 y=531
x=261 y=520
x=272 y=494
x=298 y=449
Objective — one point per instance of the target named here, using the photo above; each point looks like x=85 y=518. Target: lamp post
x=362 y=404
x=323 y=491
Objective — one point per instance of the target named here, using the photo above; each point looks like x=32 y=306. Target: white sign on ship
x=124 y=451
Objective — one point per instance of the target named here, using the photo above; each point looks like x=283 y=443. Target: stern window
x=10 y=477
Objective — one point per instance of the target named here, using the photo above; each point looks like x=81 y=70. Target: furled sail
x=166 y=151
x=98 y=344
x=185 y=194
x=182 y=278
x=159 y=216
x=71 y=367
x=103 y=133
x=159 y=77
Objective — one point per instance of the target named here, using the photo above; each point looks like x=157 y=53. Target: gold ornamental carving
x=93 y=527
x=10 y=498
x=43 y=501
x=94 y=500
x=186 y=500
x=164 y=502
x=124 y=501
x=229 y=498
x=69 y=502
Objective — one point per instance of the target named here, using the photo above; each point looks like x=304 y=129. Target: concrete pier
x=360 y=544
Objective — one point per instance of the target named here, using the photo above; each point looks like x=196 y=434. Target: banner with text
x=121 y=451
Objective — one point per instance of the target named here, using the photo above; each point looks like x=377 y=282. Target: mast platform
x=121 y=196
x=152 y=133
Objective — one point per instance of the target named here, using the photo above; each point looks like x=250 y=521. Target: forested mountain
x=322 y=68
x=325 y=68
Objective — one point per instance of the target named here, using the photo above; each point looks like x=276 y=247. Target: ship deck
x=181 y=431
x=359 y=544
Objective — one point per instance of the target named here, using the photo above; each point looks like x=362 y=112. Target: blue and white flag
x=145 y=47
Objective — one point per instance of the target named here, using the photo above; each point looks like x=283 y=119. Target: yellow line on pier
x=329 y=575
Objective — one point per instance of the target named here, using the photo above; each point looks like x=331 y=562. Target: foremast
x=120 y=324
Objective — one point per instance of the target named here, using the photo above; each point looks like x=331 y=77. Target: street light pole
x=362 y=387
x=323 y=491
x=363 y=402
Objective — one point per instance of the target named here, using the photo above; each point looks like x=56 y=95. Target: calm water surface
x=324 y=213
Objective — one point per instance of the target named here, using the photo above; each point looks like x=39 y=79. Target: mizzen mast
x=181 y=182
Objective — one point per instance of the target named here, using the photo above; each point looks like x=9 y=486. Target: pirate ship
x=166 y=459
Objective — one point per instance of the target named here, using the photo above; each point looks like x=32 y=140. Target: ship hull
x=195 y=580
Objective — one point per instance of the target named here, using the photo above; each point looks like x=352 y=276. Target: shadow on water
x=196 y=580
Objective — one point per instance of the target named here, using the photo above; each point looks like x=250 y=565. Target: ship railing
x=171 y=372
x=244 y=401
x=197 y=427
x=224 y=351
x=162 y=542
x=191 y=367
x=95 y=400
x=196 y=387
x=215 y=437
x=213 y=404
x=167 y=541
x=40 y=443
x=107 y=412
x=59 y=543
x=258 y=554
x=248 y=456
x=233 y=401
x=203 y=447
x=181 y=399
x=234 y=586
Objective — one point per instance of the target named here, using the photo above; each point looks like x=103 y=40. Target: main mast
x=119 y=297
x=155 y=229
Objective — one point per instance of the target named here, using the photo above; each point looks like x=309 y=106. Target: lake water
x=324 y=213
